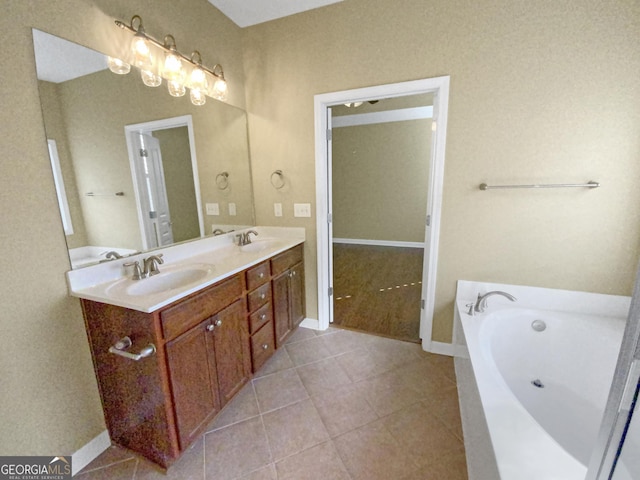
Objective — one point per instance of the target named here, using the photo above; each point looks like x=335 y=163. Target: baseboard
x=311 y=323
x=442 y=348
x=379 y=243
x=89 y=452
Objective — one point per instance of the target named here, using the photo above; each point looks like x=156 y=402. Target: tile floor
x=331 y=405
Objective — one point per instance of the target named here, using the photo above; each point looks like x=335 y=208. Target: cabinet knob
x=265 y=346
x=262 y=296
x=261 y=275
x=210 y=328
x=218 y=323
x=263 y=316
x=293 y=273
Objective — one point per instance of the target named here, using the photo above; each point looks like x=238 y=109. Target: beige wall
x=49 y=401
x=541 y=91
x=380 y=179
x=52 y=113
x=174 y=144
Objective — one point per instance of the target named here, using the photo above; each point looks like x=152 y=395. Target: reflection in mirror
x=93 y=116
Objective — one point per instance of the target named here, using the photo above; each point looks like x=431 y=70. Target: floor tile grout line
x=112 y=464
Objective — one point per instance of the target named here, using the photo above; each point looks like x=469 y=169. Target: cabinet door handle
x=218 y=323
x=265 y=346
x=210 y=328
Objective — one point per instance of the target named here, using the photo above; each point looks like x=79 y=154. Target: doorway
x=166 y=214
x=439 y=88
x=379 y=189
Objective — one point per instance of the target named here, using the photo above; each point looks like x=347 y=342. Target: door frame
x=439 y=87
x=149 y=128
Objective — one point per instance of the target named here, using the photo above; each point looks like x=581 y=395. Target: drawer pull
x=261 y=275
x=210 y=328
x=265 y=346
x=263 y=316
x=262 y=296
x=218 y=323
x=124 y=343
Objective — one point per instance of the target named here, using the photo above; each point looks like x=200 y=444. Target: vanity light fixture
x=157 y=60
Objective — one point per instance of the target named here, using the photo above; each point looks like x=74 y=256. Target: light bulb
x=197 y=96
x=176 y=88
x=220 y=89
x=198 y=78
x=172 y=67
x=140 y=49
x=118 y=66
x=150 y=79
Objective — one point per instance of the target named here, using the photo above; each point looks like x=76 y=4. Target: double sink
x=187 y=268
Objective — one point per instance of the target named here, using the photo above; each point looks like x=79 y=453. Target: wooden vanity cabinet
x=206 y=347
x=288 y=292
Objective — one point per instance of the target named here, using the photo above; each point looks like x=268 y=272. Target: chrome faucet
x=151 y=265
x=244 y=238
x=481 y=303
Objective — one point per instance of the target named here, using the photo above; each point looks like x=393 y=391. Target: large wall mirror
x=135 y=168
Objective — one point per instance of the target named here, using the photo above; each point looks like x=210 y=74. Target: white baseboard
x=441 y=348
x=311 y=323
x=89 y=452
x=379 y=243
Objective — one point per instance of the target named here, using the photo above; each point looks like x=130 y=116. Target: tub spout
x=481 y=302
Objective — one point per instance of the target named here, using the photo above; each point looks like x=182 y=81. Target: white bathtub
x=542 y=393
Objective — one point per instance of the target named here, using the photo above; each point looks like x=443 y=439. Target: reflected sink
x=259 y=245
x=162 y=282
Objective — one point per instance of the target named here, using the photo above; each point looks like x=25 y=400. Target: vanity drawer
x=282 y=262
x=262 y=346
x=259 y=297
x=261 y=316
x=258 y=275
x=185 y=314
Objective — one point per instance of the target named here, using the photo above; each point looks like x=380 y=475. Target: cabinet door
x=192 y=373
x=281 y=311
x=296 y=294
x=232 y=350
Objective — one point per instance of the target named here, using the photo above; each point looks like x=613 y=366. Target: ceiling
x=251 y=12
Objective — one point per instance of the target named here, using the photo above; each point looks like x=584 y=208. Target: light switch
x=301 y=209
x=213 y=209
x=277 y=209
x=232 y=209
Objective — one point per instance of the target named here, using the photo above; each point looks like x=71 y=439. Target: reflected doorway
x=166 y=184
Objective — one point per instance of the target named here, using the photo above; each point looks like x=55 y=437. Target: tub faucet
x=481 y=302
x=113 y=255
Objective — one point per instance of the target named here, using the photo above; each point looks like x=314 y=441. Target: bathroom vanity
x=168 y=356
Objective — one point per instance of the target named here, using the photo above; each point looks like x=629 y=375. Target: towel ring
x=278 y=182
x=222 y=180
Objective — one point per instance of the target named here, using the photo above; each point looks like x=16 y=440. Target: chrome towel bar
x=591 y=184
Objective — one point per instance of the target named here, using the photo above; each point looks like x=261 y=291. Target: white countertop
x=216 y=258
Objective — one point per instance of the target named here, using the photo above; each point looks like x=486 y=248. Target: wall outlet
x=277 y=209
x=232 y=209
x=301 y=209
x=213 y=209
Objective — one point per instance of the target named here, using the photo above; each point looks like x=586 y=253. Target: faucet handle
x=137 y=271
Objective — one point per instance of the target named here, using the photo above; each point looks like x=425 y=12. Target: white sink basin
x=259 y=245
x=163 y=282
